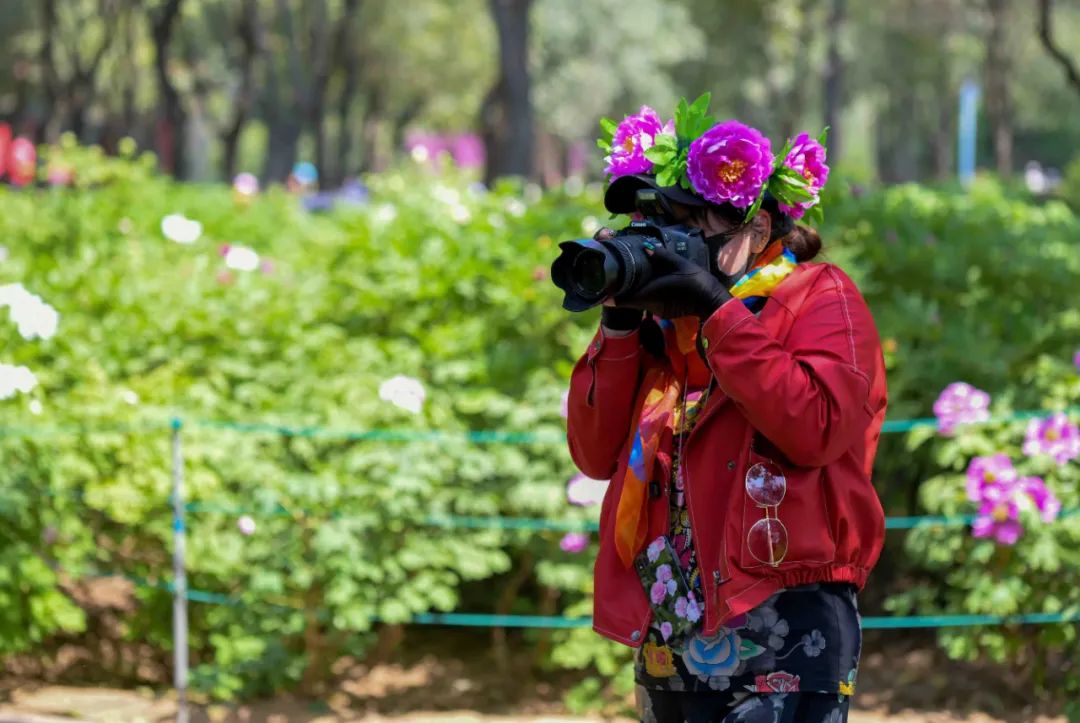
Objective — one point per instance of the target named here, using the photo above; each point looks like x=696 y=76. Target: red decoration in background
x=5 y=141
x=22 y=161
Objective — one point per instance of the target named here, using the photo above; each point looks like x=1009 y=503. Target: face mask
x=715 y=243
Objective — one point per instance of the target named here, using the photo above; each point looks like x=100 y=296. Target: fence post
x=180 y=620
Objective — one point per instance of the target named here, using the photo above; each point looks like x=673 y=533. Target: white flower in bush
x=240 y=258
x=35 y=407
x=129 y=397
x=35 y=318
x=585 y=491
x=177 y=227
x=384 y=213
x=516 y=208
x=404 y=392
x=246 y=525
x=3 y=254
x=15 y=379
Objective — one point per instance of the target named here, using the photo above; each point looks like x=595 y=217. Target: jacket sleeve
x=602 y=392
x=812 y=395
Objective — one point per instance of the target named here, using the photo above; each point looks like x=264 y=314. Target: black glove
x=621 y=319
x=679 y=287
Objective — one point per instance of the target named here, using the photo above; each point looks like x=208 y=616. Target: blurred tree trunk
x=1046 y=34
x=374 y=109
x=50 y=77
x=131 y=69
x=320 y=75
x=248 y=29
x=348 y=59
x=944 y=129
x=792 y=105
x=834 y=78
x=506 y=114
x=998 y=101
x=171 y=123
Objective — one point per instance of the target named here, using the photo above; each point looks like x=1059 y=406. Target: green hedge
x=434 y=280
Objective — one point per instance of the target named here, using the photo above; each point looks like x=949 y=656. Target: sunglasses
x=768 y=538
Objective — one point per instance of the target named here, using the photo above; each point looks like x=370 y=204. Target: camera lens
x=589 y=274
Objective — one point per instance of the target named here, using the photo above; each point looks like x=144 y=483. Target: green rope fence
x=487 y=620
x=407 y=435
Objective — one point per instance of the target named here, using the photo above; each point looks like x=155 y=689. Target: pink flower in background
x=635 y=135
x=960 y=403
x=564 y=406
x=574 y=542
x=982 y=472
x=999 y=517
x=730 y=163
x=807 y=158
x=1001 y=501
x=1054 y=436
x=1045 y=501
x=246 y=525
x=246 y=184
x=1076 y=360
x=22 y=161
x=585 y=491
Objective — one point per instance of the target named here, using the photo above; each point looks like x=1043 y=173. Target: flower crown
x=724 y=163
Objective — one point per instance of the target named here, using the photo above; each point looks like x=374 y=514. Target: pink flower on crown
x=1054 y=436
x=960 y=403
x=807 y=158
x=635 y=135
x=730 y=163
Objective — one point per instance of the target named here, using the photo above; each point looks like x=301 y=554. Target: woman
x=736 y=411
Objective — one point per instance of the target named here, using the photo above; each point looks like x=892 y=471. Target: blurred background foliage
x=148 y=104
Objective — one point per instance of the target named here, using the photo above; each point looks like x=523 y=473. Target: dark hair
x=804 y=242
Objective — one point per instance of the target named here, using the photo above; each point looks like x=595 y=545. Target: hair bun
x=804 y=242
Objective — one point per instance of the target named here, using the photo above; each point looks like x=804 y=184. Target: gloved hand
x=679 y=288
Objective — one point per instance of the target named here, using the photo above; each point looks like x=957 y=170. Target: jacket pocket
x=803 y=512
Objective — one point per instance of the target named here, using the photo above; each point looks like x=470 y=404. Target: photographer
x=735 y=403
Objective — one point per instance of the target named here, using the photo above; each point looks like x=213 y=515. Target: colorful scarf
x=659 y=394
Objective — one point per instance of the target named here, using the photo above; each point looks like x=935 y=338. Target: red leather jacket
x=803 y=383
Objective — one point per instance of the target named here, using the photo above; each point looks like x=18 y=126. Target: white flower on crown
x=404 y=392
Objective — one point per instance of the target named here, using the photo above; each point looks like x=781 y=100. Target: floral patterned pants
x=663 y=706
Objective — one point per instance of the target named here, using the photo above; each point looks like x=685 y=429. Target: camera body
x=591 y=270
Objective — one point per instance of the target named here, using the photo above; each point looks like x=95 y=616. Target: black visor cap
x=622 y=193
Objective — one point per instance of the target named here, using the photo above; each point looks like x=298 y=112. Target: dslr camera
x=591 y=270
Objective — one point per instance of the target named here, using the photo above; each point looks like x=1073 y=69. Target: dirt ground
x=905 y=680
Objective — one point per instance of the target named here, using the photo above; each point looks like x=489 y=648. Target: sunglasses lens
x=768 y=541
x=766 y=484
